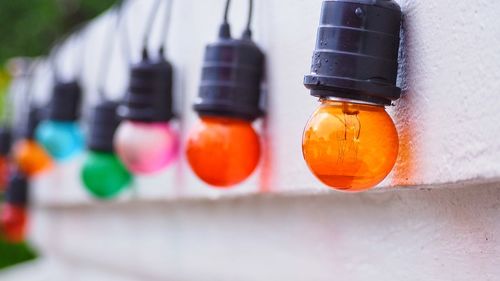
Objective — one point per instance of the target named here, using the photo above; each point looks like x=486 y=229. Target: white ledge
x=203 y=198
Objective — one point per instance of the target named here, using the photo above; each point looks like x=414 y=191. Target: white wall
x=448 y=124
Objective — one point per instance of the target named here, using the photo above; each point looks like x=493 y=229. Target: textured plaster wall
x=447 y=119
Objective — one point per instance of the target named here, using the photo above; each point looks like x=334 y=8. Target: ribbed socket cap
x=231 y=79
x=17 y=189
x=65 y=102
x=356 y=53
x=149 y=97
x=104 y=122
x=35 y=115
x=5 y=141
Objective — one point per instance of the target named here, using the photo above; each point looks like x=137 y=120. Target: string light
x=103 y=174
x=350 y=142
x=28 y=154
x=60 y=134
x=14 y=214
x=145 y=141
x=224 y=149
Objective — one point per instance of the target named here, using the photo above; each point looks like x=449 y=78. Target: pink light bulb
x=146 y=148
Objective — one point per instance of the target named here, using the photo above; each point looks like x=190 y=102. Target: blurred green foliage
x=4 y=86
x=12 y=254
x=29 y=27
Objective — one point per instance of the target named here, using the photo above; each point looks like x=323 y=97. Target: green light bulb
x=104 y=175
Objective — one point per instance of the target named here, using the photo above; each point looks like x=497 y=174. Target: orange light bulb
x=31 y=158
x=350 y=146
x=223 y=151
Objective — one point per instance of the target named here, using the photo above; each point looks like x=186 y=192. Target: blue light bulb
x=62 y=140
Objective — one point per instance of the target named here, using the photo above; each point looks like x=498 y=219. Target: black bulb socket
x=231 y=78
x=17 y=189
x=149 y=97
x=5 y=141
x=66 y=101
x=103 y=124
x=356 y=53
x=35 y=116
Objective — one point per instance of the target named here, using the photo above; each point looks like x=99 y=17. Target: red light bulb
x=13 y=216
x=4 y=173
x=13 y=222
x=223 y=151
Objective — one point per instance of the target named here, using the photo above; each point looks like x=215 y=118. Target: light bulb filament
x=348 y=142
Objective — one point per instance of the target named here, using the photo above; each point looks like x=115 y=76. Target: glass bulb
x=61 y=139
x=31 y=158
x=146 y=148
x=104 y=175
x=13 y=222
x=4 y=173
x=223 y=151
x=350 y=146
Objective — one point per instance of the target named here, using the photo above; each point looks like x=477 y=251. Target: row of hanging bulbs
x=133 y=136
x=223 y=149
x=350 y=143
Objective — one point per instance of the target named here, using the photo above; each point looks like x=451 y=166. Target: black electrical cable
x=226 y=11
x=166 y=26
x=149 y=27
x=225 y=29
x=248 y=31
